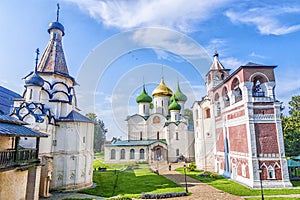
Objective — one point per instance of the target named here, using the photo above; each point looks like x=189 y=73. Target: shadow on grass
x=129 y=184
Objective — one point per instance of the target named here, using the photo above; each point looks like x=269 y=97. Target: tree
x=99 y=132
x=291 y=128
x=189 y=113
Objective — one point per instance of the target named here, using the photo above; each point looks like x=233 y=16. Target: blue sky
x=111 y=47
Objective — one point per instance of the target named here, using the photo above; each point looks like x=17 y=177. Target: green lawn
x=131 y=183
x=234 y=188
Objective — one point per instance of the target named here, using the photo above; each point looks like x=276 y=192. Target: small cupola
x=34 y=79
x=144 y=97
x=174 y=106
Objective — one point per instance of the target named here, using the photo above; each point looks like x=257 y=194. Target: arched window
x=122 y=156
x=271 y=172
x=113 y=154
x=217 y=104
x=236 y=90
x=131 y=153
x=226 y=99
x=157 y=135
x=257 y=90
x=177 y=152
x=142 y=154
x=144 y=108
x=177 y=138
x=207 y=113
x=141 y=135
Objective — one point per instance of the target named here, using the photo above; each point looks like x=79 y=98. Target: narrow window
x=113 y=154
x=177 y=152
x=131 y=153
x=271 y=172
x=83 y=139
x=30 y=94
x=157 y=135
x=122 y=154
x=141 y=135
x=177 y=138
x=142 y=154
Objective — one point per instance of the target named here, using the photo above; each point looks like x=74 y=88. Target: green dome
x=173 y=98
x=144 y=97
x=174 y=106
x=179 y=96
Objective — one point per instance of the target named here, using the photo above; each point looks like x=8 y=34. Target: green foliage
x=232 y=187
x=189 y=113
x=192 y=166
x=131 y=183
x=291 y=128
x=99 y=132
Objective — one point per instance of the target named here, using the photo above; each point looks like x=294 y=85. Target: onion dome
x=173 y=98
x=179 y=96
x=144 y=97
x=34 y=80
x=56 y=25
x=174 y=106
x=162 y=90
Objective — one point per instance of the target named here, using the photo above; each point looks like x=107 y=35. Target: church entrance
x=159 y=153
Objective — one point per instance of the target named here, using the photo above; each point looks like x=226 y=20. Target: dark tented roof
x=6 y=99
x=75 y=116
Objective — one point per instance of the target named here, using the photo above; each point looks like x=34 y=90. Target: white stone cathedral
x=160 y=131
x=49 y=105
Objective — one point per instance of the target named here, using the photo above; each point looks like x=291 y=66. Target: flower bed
x=163 y=195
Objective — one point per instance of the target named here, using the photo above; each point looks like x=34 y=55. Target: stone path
x=198 y=189
x=64 y=195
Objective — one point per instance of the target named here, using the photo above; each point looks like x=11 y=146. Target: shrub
x=192 y=166
x=163 y=195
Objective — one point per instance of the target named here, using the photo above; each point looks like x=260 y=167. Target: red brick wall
x=263 y=111
x=266 y=138
x=278 y=173
x=238 y=140
x=220 y=140
x=236 y=114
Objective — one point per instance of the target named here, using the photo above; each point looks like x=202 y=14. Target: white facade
x=161 y=131
x=50 y=106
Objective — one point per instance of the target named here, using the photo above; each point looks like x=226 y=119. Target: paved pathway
x=64 y=195
x=198 y=189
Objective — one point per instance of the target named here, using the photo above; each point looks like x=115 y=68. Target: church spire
x=53 y=58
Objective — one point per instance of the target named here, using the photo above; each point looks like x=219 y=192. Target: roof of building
x=144 y=97
x=6 y=100
x=75 y=116
x=216 y=65
x=134 y=142
x=293 y=163
x=34 y=80
x=174 y=106
x=14 y=127
x=162 y=90
x=53 y=59
x=179 y=96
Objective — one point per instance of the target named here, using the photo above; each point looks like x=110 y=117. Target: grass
x=131 y=183
x=234 y=188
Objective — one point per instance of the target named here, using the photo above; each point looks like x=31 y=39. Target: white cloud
x=253 y=54
x=179 y=14
x=267 y=19
x=231 y=63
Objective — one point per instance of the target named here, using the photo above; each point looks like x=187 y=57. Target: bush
x=192 y=166
x=164 y=195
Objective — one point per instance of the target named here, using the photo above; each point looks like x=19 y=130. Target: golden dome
x=162 y=90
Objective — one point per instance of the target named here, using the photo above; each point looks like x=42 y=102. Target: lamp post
x=261 y=186
x=186 y=188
